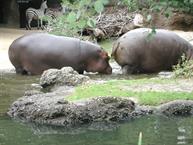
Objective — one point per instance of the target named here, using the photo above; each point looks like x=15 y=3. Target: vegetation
x=184 y=69
x=158 y=5
x=80 y=17
x=82 y=12
x=128 y=88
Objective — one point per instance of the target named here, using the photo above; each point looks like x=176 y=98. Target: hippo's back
x=148 y=52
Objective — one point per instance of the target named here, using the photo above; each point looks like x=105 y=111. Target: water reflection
x=157 y=130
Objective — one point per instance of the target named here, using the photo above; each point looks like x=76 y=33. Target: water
x=157 y=130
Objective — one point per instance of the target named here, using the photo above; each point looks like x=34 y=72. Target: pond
x=155 y=129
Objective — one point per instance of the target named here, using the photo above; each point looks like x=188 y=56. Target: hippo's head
x=99 y=63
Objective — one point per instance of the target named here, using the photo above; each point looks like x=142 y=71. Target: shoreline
x=53 y=108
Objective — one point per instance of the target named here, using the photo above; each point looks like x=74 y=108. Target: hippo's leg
x=81 y=71
x=20 y=70
x=23 y=71
x=130 y=69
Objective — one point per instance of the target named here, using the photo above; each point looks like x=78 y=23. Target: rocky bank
x=53 y=109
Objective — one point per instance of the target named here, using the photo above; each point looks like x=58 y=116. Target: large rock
x=176 y=108
x=65 y=76
x=52 y=109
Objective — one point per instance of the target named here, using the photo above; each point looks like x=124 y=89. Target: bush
x=80 y=17
x=158 y=5
x=183 y=69
x=82 y=12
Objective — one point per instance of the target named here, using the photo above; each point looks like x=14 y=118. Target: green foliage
x=184 y=68
x=80 y=17
x=131 y=4
x=158 y=5
x=99 y=5
x=82 y=12
x=151 y=34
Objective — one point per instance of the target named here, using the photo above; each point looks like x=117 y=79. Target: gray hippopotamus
x=34 y=53
x=136 y=52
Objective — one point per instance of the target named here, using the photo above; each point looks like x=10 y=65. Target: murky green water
x=157 y=130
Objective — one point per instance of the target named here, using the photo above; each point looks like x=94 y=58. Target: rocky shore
x=52 y=108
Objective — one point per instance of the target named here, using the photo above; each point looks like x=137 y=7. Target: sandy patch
x=7 y=36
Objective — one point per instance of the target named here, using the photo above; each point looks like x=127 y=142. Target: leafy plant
x=82 y=12
x=80 y=17
x=184 y=68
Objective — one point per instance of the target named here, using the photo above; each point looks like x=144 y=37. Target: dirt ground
x=8 y=35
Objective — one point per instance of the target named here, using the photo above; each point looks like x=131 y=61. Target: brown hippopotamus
x=136 y=52
x=34 y=53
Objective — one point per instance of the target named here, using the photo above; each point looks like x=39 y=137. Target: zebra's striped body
x=36 y=14
x=51 y=13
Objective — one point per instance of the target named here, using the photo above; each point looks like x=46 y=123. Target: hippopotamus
x=36 y=52
x=140 y=51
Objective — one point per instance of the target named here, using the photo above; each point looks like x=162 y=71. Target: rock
x=166 y=75
x=37 y=105
x=142 y=110
x=65 y=76
x=176 y=108
x=54 y=110
x=138 y=20
x=32 y=92
x=98 y=33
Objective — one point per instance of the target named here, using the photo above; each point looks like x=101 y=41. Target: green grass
x=118 y=88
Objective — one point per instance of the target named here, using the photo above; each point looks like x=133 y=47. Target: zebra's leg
x=29 y=24
x=41 y=24
x=38 y=24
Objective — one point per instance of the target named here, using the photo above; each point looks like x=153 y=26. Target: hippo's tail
x=114 y=50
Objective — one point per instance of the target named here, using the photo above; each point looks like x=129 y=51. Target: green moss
x=119 y=88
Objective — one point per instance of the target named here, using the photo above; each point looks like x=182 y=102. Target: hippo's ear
x=103 y=54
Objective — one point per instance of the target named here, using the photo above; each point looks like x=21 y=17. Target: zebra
x=37 y=14
x=51 y=14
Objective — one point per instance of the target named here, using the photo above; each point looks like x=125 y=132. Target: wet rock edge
x=55 y=110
